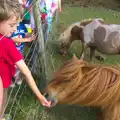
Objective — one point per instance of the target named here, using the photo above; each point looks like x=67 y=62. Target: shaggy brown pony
x=81 y=83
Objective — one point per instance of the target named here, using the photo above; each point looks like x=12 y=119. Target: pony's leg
x=92 y=53
x=100 y=57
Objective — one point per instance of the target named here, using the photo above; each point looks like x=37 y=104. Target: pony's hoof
x=100 y=57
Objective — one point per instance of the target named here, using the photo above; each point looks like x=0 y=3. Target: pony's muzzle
x=53 y=101
x=63 y=52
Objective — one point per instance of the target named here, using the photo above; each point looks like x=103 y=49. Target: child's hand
x=59 y=9
x=44 y=102
x=31 y=38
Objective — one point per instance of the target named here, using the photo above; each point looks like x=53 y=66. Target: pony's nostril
x=46 y=95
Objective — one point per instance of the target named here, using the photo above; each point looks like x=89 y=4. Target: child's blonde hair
x=9 y=8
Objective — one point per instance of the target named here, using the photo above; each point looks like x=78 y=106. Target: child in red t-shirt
x=10 y=13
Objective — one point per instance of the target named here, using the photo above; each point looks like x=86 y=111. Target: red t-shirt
x=9 y=55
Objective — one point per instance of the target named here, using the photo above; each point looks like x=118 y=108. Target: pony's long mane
x=91 y=85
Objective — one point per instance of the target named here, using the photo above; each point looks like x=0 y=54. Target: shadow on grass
x=65 y=112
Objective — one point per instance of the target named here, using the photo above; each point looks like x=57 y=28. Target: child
x=28 y=14
x=28 y=6
x=10 y=13
x=19 y=37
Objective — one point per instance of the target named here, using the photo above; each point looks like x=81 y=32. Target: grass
x=28 y=103
x=70 y=15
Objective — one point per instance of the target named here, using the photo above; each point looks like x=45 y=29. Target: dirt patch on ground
x=110 y=4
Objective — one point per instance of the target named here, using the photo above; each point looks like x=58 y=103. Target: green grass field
x=68 y=16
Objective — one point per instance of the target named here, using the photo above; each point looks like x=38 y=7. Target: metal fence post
x=41 y=44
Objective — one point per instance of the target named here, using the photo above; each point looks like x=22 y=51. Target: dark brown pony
x=81 y=83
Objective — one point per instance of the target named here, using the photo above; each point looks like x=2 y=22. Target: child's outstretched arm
x=1 y=96
x=29 y=79
x=26 y=39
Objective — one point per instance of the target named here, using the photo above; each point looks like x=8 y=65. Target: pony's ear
x=74 y=57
